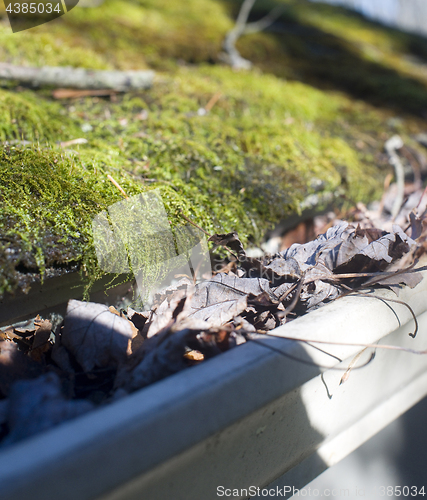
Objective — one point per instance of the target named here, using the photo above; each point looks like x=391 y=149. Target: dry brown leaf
x=95 y=336
x=61 y=357
x=220 y=299
x=189 y=324
x=139 y=319
x=15 y=365
x=193 y=355
x=43 y=331
x=40 y=340
x=288 y=268
x=229 y=240
x=135 y=330
x=165 y=357
x=166 y=313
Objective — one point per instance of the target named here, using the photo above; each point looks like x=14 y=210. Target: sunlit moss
x=24 y=116
x=126 y=35
x=245 y=165
x=265 y=145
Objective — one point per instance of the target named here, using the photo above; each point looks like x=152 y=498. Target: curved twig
x=300 y=360
x=231 y=55
x=391 y=146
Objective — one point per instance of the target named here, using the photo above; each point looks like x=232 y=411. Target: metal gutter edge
x=245 y=417
x=53 y=295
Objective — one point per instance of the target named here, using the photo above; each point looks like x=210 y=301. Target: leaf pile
x=98 y=354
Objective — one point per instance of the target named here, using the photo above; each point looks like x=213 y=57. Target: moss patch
x=24 y=116
x=125 y=35
x=48 y=201
x=319 y=44
x=266 y=144
x=331 y=47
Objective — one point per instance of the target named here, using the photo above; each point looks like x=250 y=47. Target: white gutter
x=249 y=417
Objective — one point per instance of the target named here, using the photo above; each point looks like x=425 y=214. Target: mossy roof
x=295 y=125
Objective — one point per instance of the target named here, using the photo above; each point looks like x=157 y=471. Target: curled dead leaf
x=95 y=336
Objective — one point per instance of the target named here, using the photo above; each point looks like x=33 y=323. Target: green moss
x=38 y=48
x=263 y=136
x=23 y=116
x=48 y=202
x=332 y=47
x=125 y=35
x=264 y=147
x=243 y=166
x=315 y=43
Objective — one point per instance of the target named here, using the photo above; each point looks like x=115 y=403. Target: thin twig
x=349 y=344
x=422 y=196
x=294 y=302
x=356 y=358
x=379 y=275
x=413 y=335
x=117 y=186
x=264 y=22
x=391 y=146
x=286 y=293
x=79 y=78
x=387 y=182
x=193 y=223
x=231 y=55
x=207 y=234
x=212 y=101
x=295 y=358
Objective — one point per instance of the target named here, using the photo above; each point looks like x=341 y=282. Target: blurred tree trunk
x=231 y=55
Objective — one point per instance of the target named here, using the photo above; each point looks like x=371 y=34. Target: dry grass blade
x=380 y=275
x=212 y=101
x=356 y=358
x=350 y=344
x=117 y=186
x=193 y=223
x=296 y=358
x=294 y=302
x=413 y=335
